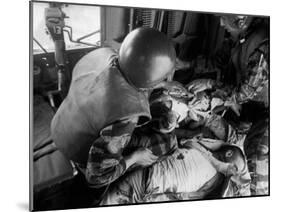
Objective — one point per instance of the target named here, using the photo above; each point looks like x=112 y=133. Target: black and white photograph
x=134 y=105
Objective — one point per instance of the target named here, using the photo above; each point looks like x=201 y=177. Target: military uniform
x=257 y=150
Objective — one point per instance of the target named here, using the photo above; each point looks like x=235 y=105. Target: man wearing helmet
x=107 y=99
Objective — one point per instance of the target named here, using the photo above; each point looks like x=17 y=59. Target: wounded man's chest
x=186 y=170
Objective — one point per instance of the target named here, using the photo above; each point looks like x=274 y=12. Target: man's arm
x=258 y=70
x=106 y=162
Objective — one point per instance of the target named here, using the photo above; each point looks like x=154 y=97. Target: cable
x=41 y=47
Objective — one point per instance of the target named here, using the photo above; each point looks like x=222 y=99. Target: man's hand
x=142 y=157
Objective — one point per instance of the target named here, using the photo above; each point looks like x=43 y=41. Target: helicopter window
x=83 y=20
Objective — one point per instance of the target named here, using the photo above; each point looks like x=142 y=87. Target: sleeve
x=105 y=161
x=223 y=130
x=160 y=144
x=257 y=78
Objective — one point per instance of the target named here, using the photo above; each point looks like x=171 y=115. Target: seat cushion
x=51 y=169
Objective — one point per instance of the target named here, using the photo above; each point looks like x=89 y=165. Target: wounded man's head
x=233 y=154
x=166 y=111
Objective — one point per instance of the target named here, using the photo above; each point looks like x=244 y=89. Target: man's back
x=98 y=96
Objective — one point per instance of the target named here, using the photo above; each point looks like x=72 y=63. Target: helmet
x=233 y=154
x=146 y=57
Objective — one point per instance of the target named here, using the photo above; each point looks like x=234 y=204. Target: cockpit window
x=83 y=19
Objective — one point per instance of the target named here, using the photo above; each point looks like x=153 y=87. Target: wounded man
x=190 y=169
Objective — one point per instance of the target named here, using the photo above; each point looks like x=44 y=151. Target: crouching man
x=107 y=99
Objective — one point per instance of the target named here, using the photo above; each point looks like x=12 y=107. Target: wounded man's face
x=167 y=113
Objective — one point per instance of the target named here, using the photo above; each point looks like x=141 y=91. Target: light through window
x=84 y=20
